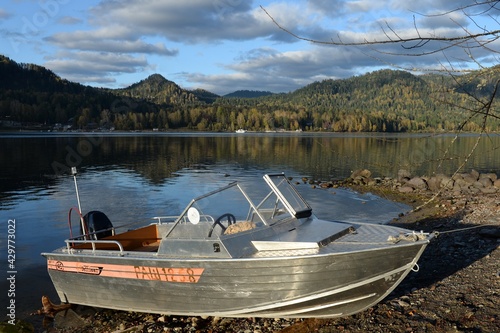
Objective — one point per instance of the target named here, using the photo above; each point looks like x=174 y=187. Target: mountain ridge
x=158 y=90
x=248 y=94
x=380 y=101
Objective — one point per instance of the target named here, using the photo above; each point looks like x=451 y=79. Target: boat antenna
x=74 y=173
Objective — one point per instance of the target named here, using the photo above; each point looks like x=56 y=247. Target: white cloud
x=95 y=67
x=364 y=6
x=107 y=40
x=269 y=69
x=186 y=21
x=332 y=8
x=266 y=57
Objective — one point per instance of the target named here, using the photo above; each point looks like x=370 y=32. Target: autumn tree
x=477 y=38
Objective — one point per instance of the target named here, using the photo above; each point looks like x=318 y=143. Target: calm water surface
x=133 y=177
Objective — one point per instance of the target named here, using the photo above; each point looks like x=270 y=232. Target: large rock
x=364 y=173
x=469 y=178
x=478 y=185
x=406 y=189
x=361 y=177
x=489 y=190
x=497 y=183
x=492 y=176
x=462 y=183
x=403 y=175
x=69 y=319
x=486 y=182
x=417 y=183
x=474 y=174
x=447 y=182
x=434 y=184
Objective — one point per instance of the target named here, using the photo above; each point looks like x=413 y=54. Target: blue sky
x=225 y=45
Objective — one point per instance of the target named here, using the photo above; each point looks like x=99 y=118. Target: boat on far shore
x=232 y=253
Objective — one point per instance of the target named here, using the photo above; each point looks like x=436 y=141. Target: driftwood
x=50 y=309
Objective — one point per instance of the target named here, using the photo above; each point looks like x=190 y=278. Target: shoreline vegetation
x=389 y=101
x=456 y=289
x=105 y=132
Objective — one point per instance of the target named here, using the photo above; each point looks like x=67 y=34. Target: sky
x=228 y=45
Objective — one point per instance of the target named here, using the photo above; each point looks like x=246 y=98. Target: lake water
x=135 y=176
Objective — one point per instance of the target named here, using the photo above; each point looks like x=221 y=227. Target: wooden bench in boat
x=144 y=239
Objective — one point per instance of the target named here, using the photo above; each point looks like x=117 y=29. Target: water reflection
x=34 y=159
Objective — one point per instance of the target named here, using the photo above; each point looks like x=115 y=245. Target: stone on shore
x=406 y=189
x=464 y=183
x=417 y=183
x=361 y=177
x=403 y=176
x=68 y=319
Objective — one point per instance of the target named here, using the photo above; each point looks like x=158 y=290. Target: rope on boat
x=437 y=233
x=414 y=236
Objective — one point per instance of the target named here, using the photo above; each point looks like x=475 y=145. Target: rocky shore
x=457 y=288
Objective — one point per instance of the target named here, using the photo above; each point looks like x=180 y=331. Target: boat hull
x=294 y=286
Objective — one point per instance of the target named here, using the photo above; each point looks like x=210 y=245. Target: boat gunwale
x=129 y=255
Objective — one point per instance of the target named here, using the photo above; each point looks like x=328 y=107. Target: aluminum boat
x=229 y=255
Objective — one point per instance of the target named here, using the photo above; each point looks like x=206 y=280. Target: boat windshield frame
x=253 y=208
x=281 y=188
x=291 y=199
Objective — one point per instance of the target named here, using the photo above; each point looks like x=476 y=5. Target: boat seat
x=98 y=225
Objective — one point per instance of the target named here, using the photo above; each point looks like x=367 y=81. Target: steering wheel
x=225 y=217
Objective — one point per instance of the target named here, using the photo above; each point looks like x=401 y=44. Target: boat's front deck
x=310 y=235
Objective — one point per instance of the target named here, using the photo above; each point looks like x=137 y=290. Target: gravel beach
x=457 y=288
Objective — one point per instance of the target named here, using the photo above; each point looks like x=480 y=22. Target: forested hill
x=32 y=77
x=33 y=96
x=385 y=100
x=381 y=101
x=158 y=90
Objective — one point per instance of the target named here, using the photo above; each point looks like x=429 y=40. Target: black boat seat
x=98 y=225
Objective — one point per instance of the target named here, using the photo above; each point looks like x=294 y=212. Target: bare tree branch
x=470 y=97
x=457 y=39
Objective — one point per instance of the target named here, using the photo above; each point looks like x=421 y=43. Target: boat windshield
x=229 y=200
x=288 y=196
x=231 y=205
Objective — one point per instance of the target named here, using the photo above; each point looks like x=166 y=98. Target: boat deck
x=312 y=237
x=307 y=236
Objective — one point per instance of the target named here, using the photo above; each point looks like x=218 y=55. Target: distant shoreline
x=186 y=132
